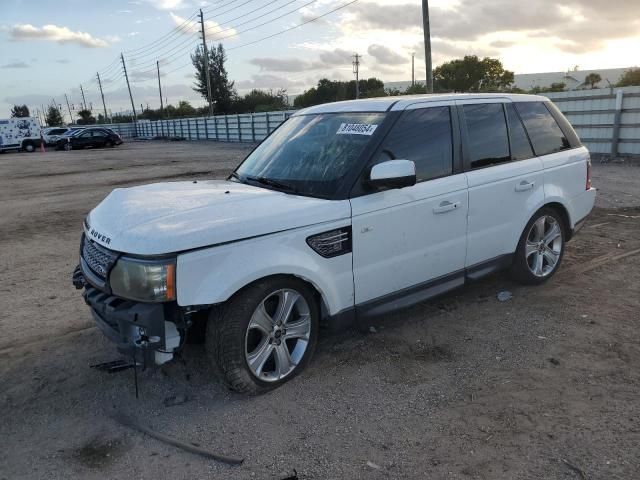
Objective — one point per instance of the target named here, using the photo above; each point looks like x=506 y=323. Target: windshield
x=310 y=154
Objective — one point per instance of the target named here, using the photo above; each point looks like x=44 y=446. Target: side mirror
x=393 y=174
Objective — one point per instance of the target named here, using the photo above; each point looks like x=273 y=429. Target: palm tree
x=592 y=79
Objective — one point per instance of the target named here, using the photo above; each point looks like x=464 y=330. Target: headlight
x=144 y=280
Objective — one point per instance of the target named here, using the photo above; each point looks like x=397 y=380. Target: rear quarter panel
x=565 y=179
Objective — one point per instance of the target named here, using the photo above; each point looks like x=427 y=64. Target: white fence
x=249 y=127
x=607 y=120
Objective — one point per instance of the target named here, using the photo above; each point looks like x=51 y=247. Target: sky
x=48 y=49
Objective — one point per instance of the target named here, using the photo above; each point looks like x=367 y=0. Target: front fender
x=212 y=275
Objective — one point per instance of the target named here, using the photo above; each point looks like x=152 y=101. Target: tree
x=222 y=91
x=630 y=78
x=592 y=79
x=85 y=118
x=54 y=117
x=20 y=111
x=262 y=101
x=332 y=91
x=472 y=75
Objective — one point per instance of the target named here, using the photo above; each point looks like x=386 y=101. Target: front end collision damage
x=149 y=333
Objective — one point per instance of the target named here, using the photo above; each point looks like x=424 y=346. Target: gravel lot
x=544 y=385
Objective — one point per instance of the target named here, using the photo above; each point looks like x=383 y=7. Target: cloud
x=54 y=33
x=15 y=65
x=268 y=81
x=577 y=25
x=386 y=56
x=281 y=64
x=63 y=61
x=167 y=4
x=192 y=26
x=326 y=60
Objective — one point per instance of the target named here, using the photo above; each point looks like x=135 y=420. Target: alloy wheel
x=278 y=335
x=544 y=246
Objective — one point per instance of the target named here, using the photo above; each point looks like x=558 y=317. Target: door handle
x=446 y=206
x=524 y=185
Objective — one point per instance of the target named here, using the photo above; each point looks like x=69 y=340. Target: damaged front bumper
x=149 y=333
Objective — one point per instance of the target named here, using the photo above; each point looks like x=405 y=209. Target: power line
x=277 y=33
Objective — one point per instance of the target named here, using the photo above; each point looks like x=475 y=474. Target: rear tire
x=67 y=147
x=108 y=144
x=29 y=147
x=264 y=335
x=541 y=248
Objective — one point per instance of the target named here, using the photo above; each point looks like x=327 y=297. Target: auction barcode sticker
x=356 y=129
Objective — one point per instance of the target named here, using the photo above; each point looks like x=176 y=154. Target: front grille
x=97 y=258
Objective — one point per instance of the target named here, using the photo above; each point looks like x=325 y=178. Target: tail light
x=332 y=243
x=588 y=174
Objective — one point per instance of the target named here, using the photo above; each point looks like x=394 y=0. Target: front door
x=406 y=240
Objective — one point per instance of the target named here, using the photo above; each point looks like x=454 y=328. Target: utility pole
x=356 y=68
x=427 y=44
x=124 y=67
x=104 y=106
x=413 y=70
x=206 y=63
x=160 y=89
x=68 y=107
x=84 y=101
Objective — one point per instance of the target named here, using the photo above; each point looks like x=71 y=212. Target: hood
x=176 y=216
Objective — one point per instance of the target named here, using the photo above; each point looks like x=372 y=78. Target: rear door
x=82 y=139
x=505 y=178
x=99 y=137
x=404 y=239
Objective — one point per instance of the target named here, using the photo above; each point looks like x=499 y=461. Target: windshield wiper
x=272 y=183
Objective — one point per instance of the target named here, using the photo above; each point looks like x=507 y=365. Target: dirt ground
x=545 y=385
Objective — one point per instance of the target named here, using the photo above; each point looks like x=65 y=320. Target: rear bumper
x=580 y=207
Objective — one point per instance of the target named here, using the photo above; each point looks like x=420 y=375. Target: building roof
x=384 y=104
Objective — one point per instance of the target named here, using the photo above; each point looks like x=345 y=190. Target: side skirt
x=415 y=294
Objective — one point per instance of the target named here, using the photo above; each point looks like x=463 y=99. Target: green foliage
x=554 y=87
x=223 y=92
x=416 y=89
x=262 y=101
x=592 y=79
x=54 y=117
x=333 y=91
x=85 y=118
x=122 y=118
x=630 y=78
x=20 y=111
x=472 y=75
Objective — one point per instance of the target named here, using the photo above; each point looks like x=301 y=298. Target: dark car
x=89 y=137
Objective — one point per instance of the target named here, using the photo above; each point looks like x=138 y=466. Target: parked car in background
x=347 y=212
x=51 y=135
x=89 y=137
x=19 y=133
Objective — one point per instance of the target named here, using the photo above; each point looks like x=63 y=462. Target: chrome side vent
x=332 y=243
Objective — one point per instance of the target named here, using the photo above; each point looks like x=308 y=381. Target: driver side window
x=424 y=136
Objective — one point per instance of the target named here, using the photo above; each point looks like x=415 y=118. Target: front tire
x=265 y=334
x=541 y=248
x=68 y=147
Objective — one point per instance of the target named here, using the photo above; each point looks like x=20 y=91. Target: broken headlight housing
x=144 y=280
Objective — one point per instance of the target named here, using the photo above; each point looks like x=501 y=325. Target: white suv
x=347 y=211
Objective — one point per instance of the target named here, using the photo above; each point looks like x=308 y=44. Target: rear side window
x=487 y=134
x=520 y=146
x=423 y=136
x=544 y=132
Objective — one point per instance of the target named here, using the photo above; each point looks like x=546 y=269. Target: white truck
x=348 y=211
x=19 y=134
